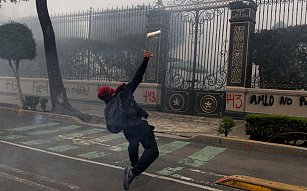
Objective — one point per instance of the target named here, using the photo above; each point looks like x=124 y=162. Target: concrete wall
x=146 y=94
x=268 y=101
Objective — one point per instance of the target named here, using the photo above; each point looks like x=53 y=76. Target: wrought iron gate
x=197 y=58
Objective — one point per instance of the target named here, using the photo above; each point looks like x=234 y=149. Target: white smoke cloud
x=23 y=9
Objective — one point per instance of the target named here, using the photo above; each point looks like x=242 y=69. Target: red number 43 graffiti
x=149 y=96
x=235 y=100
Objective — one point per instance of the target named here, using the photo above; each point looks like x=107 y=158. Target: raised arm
x=138 y=77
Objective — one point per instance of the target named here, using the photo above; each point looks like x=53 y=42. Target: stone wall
x=267 y=101
x=147 y=94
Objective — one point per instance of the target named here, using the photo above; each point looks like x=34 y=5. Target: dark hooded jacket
x=134 y=112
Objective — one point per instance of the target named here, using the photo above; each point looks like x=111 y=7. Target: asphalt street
x=38 y=153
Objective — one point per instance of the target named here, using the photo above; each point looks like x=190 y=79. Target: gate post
x=157 y=19
x=242 y=26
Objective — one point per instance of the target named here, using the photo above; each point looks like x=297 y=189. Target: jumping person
x=138 y=130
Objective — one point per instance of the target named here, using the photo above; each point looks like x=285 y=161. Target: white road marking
x=39 y=177
x=30 y=127
x=209 y=173
x=27 y=182
x=112 y=166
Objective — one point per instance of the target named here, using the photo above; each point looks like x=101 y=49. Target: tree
x=17 y=43
x=281 y=56
x=57 y=91
x=58 y=96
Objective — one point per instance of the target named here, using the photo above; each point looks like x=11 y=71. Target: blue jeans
x=142 y=133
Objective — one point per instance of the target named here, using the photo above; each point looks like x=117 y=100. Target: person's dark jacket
x=134 y=112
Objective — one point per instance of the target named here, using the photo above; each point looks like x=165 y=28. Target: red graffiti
x=149 y=96
x=235 y=100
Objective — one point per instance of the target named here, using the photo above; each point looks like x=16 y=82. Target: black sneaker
x=128 y=177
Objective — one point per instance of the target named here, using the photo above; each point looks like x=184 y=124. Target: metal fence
x=104 y=25
x=198 y=49
x=103 y=28
x=90 y=43
x=272 y=15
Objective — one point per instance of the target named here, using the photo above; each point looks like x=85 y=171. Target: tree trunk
x=16 y=74
x=22 y=99
x=58 y=95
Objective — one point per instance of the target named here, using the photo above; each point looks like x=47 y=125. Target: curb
x=48 y=115
x=229 y=142
x=257 y=184
x=251 y=145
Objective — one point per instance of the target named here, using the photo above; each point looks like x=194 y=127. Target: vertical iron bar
x=74 y=24
x=102 y=24
x=175 y=49
x=216 y=46
x=211 y=36
x=202 y=49
x=186 y=48
x=114 y=30
x=89 y=39
x=66 y=26
x=276 y=6
x=208 y=31
x=272 y=8
x=61 y=25
x=222 y=33
x=288 y=15
x=301 y=12
x=195 y=49
x=296 y=12
x=171 y=51
x=227 y=35
x=293 y=9
x=279 y=20
x=267 y=15
x=106 y=25
x=263 y=13
x=198 y=64
x=184 y=67
x=284 y=14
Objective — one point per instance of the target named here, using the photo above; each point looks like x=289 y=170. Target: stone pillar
x=157 y=19
x=242 y=26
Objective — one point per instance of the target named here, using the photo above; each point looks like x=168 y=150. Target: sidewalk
x=202 y=129
x=168 y=123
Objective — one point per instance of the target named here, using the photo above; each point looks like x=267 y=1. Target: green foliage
x=265 y=127
x=281 y=56
x=130 y=53
x=43 y=102
x=32 y=101
x=226 y=126
x=36 y=68
x=115 y=61
x=16 y=42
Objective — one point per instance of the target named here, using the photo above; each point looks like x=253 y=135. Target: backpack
x=115 y=115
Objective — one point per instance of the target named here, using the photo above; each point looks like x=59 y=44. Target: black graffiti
x=11 y=85
x=39 y=87
x=265 y=100
x=285 y=100
x=303 y=101
x=78 y=90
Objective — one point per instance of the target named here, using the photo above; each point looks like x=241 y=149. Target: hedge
x=265 y=127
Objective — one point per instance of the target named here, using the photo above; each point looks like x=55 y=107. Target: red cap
x=104 y=92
